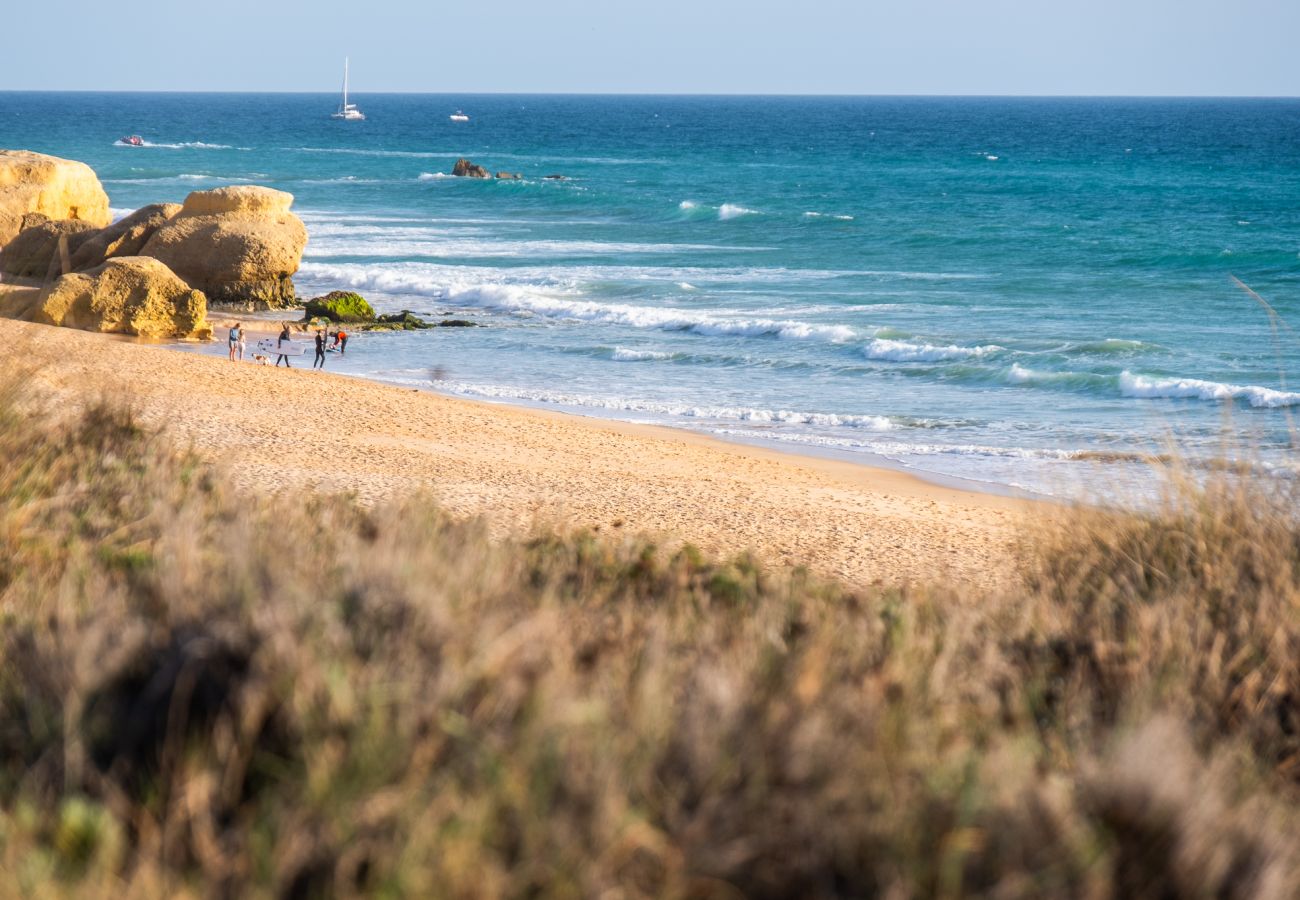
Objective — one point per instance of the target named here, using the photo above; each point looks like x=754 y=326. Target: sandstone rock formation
x=236 y=244
x=44 y=247
x=466 y=169
x=57 y=188
x=509 y=176
x=126 y=295
x=124 y=238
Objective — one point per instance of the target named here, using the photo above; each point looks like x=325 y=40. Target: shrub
x=262 y=696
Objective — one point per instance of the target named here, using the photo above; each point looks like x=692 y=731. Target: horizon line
x=505 y=93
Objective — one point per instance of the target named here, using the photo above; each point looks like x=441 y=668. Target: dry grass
x=207 y=695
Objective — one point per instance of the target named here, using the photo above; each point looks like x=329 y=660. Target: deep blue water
x=989 y=288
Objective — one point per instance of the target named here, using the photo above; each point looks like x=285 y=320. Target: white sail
x=347 y=110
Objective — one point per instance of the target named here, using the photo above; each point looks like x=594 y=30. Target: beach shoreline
x=276 y=431
x=261 y=325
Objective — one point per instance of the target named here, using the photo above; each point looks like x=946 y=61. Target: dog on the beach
x=261 y=360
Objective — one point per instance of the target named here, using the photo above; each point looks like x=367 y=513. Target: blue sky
x=1144 y=47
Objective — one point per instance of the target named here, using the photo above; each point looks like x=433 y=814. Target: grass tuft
x=206 y=693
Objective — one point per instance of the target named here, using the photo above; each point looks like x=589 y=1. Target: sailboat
x=347 y=110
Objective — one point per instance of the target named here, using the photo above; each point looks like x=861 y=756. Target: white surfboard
x=273 y=347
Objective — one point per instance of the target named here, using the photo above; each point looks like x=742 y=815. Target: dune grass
x=206 y=694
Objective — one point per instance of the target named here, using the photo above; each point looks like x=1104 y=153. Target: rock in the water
x=238 y=245
x=403 y=321
x=126 y=295
x=456 y=323
x=509 y=176
x=340 y=306
x=45 y=247
x=54 y=187
x=466 y=169
x=555 y=177
x=124 y=238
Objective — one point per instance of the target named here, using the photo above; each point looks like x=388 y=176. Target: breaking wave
x=1131 y=385
x=528 y=300
x=885 y=349
x=728 y=211
x=623 y=354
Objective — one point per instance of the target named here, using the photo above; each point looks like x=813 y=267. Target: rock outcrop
x=124 y=238
x=340 y=306
x=403 y=321
x=509 y=176
x=54 y=187
x=44 y=248
x=126 y=295
x=238 y=245
x=466 y=169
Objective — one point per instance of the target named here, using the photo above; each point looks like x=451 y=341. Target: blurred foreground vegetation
x=205 y=694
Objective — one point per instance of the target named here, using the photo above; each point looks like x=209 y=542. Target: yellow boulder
x=57 y=188
x=237 y=244
x=126 y=295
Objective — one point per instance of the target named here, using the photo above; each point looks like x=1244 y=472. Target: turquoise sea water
x=1016 y=291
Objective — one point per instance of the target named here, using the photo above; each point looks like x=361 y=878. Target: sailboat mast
x=345 y=82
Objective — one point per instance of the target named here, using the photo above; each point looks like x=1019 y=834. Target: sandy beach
x=298 y=430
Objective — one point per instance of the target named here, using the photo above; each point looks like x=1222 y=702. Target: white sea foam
x=659 y=408
x=187 y=145
x=899 y=451
x=730 y=211
x=433 y=176
x=1133 y=385
x=534 y=300
x=464 y=244
x=821 y=215
x=119 y=214
x=687 y=204
x=624 y=354
x=904 y=351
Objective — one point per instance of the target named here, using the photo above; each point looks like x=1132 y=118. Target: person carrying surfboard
x=284 y=338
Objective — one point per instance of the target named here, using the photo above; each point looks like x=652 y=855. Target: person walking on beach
x=237 y=341
x=320 y=350
x=284 y=338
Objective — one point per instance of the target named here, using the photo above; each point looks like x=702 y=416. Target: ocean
x=1017 y=293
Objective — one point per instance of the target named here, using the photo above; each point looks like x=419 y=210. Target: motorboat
x=458 y=116
x=347 y=110
x=132 y=140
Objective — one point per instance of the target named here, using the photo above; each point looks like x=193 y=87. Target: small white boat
x=458 y=116
x=347 y=110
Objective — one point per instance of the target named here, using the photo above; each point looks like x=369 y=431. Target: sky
x=1018 y=47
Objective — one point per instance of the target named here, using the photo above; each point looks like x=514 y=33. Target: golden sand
x=299 y=430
